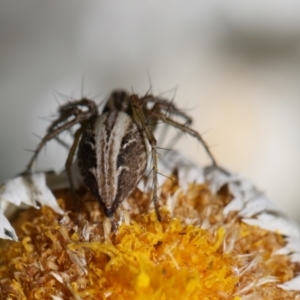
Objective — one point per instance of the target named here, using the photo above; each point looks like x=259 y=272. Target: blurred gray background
x=234 y=66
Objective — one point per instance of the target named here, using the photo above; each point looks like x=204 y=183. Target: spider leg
x=72 y=109
x=62 y=143
x=140 y=120
x=173 y=110
x=190 y=131
x=168 y=107
x=49 y=136
x=70 y=158
x=62 y=123
x=171 y=144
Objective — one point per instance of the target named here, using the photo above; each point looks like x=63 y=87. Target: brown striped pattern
x=112 y=157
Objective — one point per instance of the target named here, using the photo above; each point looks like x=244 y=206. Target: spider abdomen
x=112 y=158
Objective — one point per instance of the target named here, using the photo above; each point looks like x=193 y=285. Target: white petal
x=30 y=190
x=292 y=248
x=291 y=285
x=6 y=230
x=275 y=223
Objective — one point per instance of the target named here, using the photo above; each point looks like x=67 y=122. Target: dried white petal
x=65 y=281
x=275 y=223
x=57 y=276
x=56 y=298
x=6 y=230
x=292 y=248
x=265 y=280
x=30 y=190
x=216 y=178
x=291 y=285
x=256 y=205
x=188 y=171
x=171 y=201
x=79 y=260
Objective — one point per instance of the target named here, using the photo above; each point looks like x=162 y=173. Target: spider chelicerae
x=111 y=146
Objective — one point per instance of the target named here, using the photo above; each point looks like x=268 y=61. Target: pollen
x=195 y=252
x=143 y=280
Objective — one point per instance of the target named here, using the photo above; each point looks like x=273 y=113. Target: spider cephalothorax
x=112 y=146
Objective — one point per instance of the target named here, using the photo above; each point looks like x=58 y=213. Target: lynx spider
x=111 y=146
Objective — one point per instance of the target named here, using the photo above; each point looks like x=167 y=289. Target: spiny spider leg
x=162 y=106
x=168 y=107
x=63 y=117
x=62 y=143
x=54 y=130
x=71 y=110
x=46 y=139
x=139 y=118
x=188 y=130
x=70 y=158
x=84 y=102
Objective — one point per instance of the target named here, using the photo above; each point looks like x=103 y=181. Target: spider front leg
x=140 y=120
x=190 y=131
x=69 y=161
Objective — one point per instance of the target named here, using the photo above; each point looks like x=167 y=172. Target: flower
x=212 y=243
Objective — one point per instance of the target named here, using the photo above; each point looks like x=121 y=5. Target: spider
x=112 y=146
